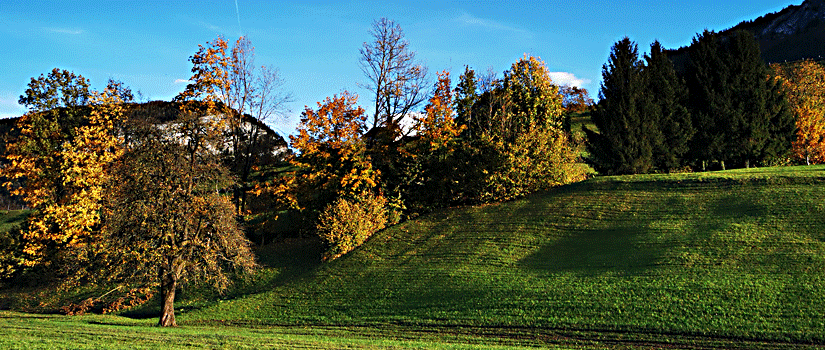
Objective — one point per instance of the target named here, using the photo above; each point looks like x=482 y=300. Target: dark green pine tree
x=622 y=144
x=707 y=81
x=739 y=113
x=765 y=126
x=667 y=96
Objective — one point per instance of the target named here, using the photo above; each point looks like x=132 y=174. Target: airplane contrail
x=238 y=13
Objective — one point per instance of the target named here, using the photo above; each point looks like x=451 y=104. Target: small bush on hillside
x=348 y=222
x=538 y=160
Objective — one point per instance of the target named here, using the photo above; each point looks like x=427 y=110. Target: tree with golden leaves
x=575 y=99
x=332 y=149
x=518 y=130
x=805 y=86
x=438 y=125
x=62 y=157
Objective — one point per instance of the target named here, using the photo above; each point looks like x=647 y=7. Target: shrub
x=537 y=160
x=349 y=222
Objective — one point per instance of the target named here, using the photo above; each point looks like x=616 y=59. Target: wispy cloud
x=70 y=31
x=211 y=27
x=565 y=78
x=182 y=81
x=473 y=21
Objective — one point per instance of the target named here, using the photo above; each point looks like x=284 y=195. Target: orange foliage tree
x=427 y=160
x=438 y=125
x=245 y=96
x=805 y=86
x=332 y=149
x=575 y=99
x=337 y=183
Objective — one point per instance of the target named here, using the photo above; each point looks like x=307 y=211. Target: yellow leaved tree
x=805 y=86
x=58 y=165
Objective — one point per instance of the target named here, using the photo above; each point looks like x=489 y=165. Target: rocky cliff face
x=797 y=32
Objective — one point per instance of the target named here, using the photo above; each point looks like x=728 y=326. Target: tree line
x=721 y=108
x=153 y=196
x=150 y=196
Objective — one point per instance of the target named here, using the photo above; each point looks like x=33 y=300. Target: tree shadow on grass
x=593 y=252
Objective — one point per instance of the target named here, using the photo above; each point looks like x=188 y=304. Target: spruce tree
x=709 y=103
x=622 y=144
x=667 y=95
x=740 y=115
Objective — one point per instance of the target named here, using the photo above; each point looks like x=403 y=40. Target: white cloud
x=182 y=81
x=70 y=31
x=565 y=78
x=470 y=20
x=9 y=108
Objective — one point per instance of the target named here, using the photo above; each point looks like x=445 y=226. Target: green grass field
x=731 y=259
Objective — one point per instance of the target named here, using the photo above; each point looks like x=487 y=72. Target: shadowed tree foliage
x=739 y=111
x=666 y=95
x=466 y=95
x=622 y=144
x=167 y=221
x=61 y=88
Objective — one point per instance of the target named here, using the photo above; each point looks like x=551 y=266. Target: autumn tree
x=396 y=79
x=575 y=99
x=64 y=170
x=340 y=187
x=431 y=175
x=805 y=86
x=59 y=89
x=332 y=149
x=518 y=128
x=247 y=96
x=166 y=219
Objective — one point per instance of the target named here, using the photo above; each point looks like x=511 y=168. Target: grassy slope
x=12 y=218
x=731 y=255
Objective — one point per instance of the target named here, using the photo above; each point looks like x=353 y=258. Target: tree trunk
x=168 y=284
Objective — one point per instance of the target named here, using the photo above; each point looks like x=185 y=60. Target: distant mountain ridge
x=796 y=32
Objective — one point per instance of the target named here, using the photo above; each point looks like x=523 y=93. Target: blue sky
x=146 y=44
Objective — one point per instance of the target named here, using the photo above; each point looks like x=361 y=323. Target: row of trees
x=480 y=142
x=157 y=194
x=723 y=107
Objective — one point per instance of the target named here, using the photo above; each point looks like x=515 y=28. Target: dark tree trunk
x=168 y=284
